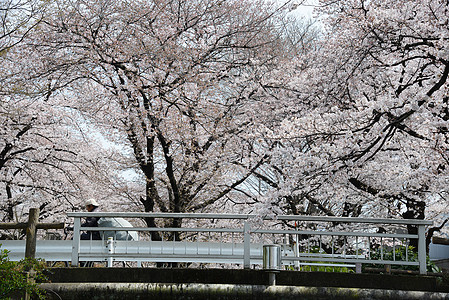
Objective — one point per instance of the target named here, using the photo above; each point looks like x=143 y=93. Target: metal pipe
x=110 y=245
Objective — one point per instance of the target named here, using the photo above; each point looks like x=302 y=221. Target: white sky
x=304 y=10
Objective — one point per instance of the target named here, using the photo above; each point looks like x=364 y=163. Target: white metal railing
x=240 y=239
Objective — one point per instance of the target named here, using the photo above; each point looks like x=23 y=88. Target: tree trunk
x=415 y=211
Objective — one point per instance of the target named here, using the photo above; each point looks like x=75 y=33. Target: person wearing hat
x=91 y=206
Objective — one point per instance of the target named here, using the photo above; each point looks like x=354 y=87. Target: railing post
x=246 y=245
x=76 y=241
x=422 y=249
x=111 y=251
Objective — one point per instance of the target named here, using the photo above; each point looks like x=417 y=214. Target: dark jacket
x=91 y=222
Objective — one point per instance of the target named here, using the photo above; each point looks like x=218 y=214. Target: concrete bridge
x=224 y=243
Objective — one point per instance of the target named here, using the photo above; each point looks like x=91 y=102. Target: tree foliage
x=370 y=137
x=46 y=159
x=174 y=81
x=231 y=105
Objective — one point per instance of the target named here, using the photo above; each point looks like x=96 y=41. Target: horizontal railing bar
x=256 y=231
x=335 y=255
x=168 y=229
x=251 y=216
x=158 y=215
x=328 y=265
x=140 y=255
x=351 y=260
x=336 y=233
x=215 y=256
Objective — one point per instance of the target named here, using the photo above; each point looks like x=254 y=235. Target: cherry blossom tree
x=173 y=83
x=206 y=104
x=45 y=160
x=370 y=137
x=17 y=18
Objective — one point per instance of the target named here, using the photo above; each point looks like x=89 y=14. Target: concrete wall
x=249 y=277
x=160 y=284
x=160 y=291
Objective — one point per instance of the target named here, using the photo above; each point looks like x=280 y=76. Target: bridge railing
x=239 y=239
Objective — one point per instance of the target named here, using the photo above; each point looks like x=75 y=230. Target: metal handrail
x=259 y=231
x=247 y=232
x=252 y=216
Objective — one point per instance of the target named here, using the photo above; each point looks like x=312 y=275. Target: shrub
x=14 y=277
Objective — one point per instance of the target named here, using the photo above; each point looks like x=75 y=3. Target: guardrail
x=239 y=239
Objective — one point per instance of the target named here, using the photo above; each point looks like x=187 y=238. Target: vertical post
x=296 y=251
x=272 y=261
x=422 y=249
x=30 y=243
x=76 y=241
x=30 y=280
x=33 y=218
x=246 y=246
x=110 y=251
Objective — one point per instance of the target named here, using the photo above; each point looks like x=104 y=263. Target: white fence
x=239 y=239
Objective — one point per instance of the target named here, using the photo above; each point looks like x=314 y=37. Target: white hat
x=91 y=201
